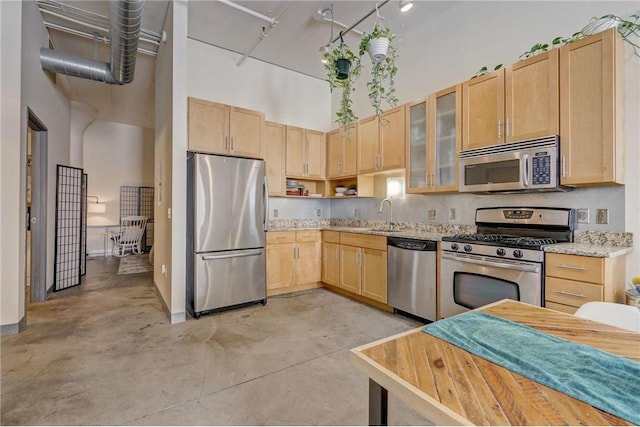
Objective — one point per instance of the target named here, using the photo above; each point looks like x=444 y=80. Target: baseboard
x=296 y=288
x=360 y=298
x=13 y=328
x=173 y=317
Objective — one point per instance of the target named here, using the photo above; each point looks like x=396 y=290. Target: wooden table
x=450 y=386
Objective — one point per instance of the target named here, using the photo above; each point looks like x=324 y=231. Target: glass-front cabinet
x=434 y=138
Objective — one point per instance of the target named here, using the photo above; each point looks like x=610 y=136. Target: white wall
x=10 y=119
x=284 y=96
x=170 y=163
x=114 y=154
x=24 y=30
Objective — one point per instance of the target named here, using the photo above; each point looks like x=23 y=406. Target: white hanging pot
x=377 y=49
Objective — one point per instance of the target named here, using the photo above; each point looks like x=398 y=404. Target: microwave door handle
x=525 y=172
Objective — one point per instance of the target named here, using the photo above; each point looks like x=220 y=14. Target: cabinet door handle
x=571 y=294
x=231 y=143
x=571 y=267
x=226 y=143
x=499 y=130
x=564 y=166
x=506 y=127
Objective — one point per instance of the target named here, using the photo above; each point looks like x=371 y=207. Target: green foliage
x=484 y=70
x=382 y=84
x=345 y=115
x=629 y=29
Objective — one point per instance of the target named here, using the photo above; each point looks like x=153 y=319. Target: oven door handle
x=484 y=261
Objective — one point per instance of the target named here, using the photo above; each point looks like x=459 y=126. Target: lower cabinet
x=572 y=280
x=293 y=261
x=358 y=264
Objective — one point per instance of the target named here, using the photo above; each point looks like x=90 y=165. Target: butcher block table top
x=451 y=386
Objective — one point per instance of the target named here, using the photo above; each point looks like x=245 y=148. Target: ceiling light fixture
x=405 y=5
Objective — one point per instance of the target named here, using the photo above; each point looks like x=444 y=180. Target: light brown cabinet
x=381 y=146
x=293 y=260
x=342 y=153
x=223 y=129
x=512 y=104
x=591 y=110
x=363 y=265
x=305 y=156
x=433 y=142
x=331 y=257
x=572 y=280
x=274 y=156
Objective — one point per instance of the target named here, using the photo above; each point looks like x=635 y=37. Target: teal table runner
x=603 y=380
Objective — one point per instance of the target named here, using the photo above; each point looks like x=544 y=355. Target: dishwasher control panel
x=412 y=244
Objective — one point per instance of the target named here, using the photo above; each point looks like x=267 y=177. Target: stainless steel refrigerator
x=227 y=201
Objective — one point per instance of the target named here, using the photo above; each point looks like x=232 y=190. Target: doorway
x=36 y=208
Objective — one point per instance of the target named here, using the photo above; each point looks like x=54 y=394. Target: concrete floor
x=104 y=353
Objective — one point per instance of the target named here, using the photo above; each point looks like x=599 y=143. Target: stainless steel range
x=504 y=259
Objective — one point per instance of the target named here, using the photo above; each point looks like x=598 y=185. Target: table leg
x=377 y=404
x=106 y=241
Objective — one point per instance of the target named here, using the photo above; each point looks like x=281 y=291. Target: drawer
x=575 y=267
x=364 y=241
x=331 y=236
x=560 y=307
x=277 y=237
x=570 y=292
x=308 y=236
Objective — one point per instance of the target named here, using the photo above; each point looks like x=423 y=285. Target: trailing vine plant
x=382 y=84
x=345 y=116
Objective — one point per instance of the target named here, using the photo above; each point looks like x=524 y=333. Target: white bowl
x=341 y=189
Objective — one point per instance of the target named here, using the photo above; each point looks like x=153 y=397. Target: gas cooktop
x=502 y=240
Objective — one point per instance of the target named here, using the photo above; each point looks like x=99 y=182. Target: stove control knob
x=454 y=246
x=467 y=248
x=501 y=252
x=517 y=253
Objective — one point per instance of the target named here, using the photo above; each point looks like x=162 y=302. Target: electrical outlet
x=452 y=213
x=164 y=270
x=275 y=213
x=602 y=216
x=583 y=216
x=318 y=212
x=431 y=214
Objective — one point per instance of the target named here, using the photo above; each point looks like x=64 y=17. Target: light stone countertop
x=587 y=243
x=587 y=249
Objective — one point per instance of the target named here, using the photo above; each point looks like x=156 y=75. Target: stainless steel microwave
x=526 y=166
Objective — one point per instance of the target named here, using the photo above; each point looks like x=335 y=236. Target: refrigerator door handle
x=233 y=254
x=265 y=186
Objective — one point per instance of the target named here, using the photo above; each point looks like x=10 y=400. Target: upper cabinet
x=591 y=110
x=342 y=153
x=222 y=129
x=512 y=104
x=433 y=142
x=305 y=156
x=381 y=146
x=274 y=156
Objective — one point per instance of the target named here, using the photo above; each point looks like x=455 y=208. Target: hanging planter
x=343 y=68
x=379 y=45
x=377 y=49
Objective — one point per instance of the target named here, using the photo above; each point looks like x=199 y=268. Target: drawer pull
x=571 y=294
x=571 y=267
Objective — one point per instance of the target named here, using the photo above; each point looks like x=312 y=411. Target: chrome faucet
x=390 y=211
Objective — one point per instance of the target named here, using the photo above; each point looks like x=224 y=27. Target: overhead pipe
x=263 y=34
x=271 y=21
x=124 y=31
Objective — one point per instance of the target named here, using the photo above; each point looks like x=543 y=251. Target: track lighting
x=405 y=5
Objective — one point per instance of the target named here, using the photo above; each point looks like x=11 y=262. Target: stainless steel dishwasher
x=411 y=276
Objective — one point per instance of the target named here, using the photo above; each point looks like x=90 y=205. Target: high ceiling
x=293 y=43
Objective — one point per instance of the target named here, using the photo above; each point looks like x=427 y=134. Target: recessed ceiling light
x=405 y=5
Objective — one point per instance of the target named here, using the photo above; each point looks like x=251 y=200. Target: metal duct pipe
x=124 y=31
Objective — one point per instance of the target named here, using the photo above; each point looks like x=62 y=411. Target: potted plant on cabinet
x=383 y=53
x=343 y=68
